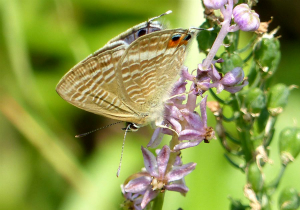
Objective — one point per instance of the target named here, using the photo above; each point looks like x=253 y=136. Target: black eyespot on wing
x=187 y=37
x=141 y=32
x=176 y=37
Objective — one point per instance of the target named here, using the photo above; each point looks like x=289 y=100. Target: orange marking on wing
x=174 y=43
x=180 y=41
x=185 y=42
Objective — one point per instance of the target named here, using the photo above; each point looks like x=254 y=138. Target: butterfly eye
x=187 y=37
x=176 y=37
x=141 y=32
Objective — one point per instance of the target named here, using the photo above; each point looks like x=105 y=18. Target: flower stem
x=275 y=183
x=218 y=42
x=174 y=141
x=158 y=201
x=222 y=34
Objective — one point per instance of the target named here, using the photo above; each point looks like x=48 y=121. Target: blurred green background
x=42 y=165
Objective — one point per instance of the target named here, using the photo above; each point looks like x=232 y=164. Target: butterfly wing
x=91 y=85
x=148 y=69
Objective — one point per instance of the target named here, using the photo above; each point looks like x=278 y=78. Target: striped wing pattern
x=147 y=72
x=91 y=85
x=124 y=81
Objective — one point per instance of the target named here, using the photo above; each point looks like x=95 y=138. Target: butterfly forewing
x=147 y=72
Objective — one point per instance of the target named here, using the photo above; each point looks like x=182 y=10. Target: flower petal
x=185 y=145
x=190 y=134
x=214 y=74
x=138 y=185
x=177 y=187
x=214 y=4
x=236 y=88
x=245 y=18
x=178 y=161
x=162 y=160
x=178 y=172
x=233 y=77
x=150 y=162
x=185 y=74
x=174 y=112
x=178 y=89
x=191 y=101
x=175 y=124
x=156 y=138
x=193 y=119
x=203 y=111
x=149 y=195
x=219 y=87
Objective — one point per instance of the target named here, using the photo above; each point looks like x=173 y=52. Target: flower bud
x=254 y=99
x=289 y=199
x=234 y=77
x=214 y=4
x=289 y=144
x=254 y=177
x=231 y=61
x=267 y=54
x=246 y=19
x=277 y=100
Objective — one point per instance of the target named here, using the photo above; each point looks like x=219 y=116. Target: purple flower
x=157 y=179
x=246 y=19
x=190 y=126
x=214 y=4
x=232 y=81
x=195 y=130
x=132 y=200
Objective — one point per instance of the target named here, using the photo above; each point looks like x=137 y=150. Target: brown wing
x=148 y=70
x=91 y=85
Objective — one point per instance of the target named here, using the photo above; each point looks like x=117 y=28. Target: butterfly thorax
x=150 y=112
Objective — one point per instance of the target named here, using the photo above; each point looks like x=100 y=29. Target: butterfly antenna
x=87 y=133
x=200 y=29
x=166 y=13
x=119 y=169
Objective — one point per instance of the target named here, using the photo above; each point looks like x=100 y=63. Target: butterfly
x=131 y=76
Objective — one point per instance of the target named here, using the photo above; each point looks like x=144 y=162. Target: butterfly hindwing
x=148 y=69
x=91 y=85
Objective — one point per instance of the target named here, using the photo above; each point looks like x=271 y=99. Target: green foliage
x=42 y=164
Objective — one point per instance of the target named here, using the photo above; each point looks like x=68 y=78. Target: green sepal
x=254 y=177
x=267 y=55
x=231 y=60
x=254 y=100
x=289 y=144
x=277 y=98
x=289 y=199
